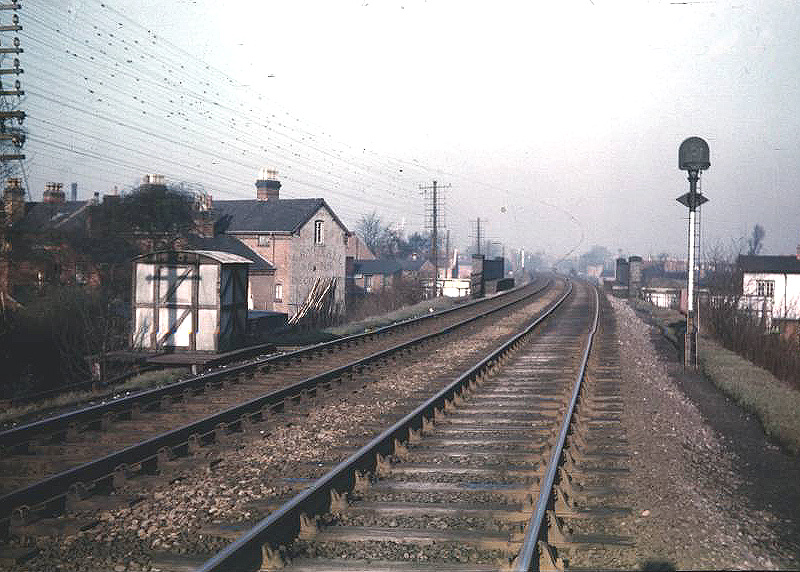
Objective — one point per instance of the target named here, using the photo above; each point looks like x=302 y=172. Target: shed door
x=175 y=323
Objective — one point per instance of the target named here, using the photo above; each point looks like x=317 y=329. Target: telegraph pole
x=11 y=138
x=435 y=215
x=478 y=235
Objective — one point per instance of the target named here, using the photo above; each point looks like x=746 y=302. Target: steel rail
x=526 y=558
x=54 y=425
x=52 y=493
x=283 y=525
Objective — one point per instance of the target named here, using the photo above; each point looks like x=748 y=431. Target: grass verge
x=774 y=402
x=146 y=380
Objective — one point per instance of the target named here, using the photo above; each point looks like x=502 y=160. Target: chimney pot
x=267 y=185
x=14 y=200
x=53 y=193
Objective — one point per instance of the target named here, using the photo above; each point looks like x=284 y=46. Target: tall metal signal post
x=693 y=156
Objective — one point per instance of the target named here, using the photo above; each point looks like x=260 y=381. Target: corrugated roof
x=229 y=244
x=274 y=215
x=223 y=257
x=785 y=264
x=189 y=256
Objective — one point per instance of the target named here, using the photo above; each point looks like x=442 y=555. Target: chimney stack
x=267 y=185
x=74 y=192
x=14 y=200
x=54 y=193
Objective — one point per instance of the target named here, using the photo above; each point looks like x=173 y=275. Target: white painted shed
x=189 y=300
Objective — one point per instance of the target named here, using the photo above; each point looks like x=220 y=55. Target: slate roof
x=231 y=245
x=273 y=215
x=376 y=266
x=786 y=264
x=47 y=217
x=413 y=264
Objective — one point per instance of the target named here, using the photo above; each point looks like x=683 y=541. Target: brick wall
x=309 y=261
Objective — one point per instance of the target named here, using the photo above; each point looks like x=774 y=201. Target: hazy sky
x=550 y=121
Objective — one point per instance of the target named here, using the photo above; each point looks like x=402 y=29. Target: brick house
x=374 y=275
x=302 y=239
x=38 y=246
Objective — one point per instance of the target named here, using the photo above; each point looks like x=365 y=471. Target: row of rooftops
x=266 y=213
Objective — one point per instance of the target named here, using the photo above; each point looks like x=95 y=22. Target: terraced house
x=302 y=239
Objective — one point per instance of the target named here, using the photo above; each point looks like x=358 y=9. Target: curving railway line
x=49 y=463
x=482 y=474
x=461 y=461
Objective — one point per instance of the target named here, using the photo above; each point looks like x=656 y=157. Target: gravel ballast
x=234 y=484
x=692 y=507
x=697 y=501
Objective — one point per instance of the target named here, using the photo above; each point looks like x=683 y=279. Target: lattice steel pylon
x=12 y=133
x=435 y=217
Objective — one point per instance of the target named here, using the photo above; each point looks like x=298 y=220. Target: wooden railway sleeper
x=272 y=558
x=400 y=450
x=555 y=530
x=548 y=561
x=21 y=516
x=563 y=503
x=338 y=501
x=362 y=482
x=308 y=527
x=383 y=467
x=224 y=433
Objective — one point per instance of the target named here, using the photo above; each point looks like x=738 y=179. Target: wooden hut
x=189 y=300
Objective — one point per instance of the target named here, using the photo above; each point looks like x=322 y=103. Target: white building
x=771 y=284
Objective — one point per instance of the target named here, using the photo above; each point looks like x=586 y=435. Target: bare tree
x=756 y=241
x=373 y=232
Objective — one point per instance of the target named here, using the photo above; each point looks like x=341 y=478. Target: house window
x=765 y=288
x=263 y=240
x=279 y=292
x=368 y=282
x=318 y=232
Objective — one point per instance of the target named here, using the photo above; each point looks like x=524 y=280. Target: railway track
x=95 y=450
x=509 y=466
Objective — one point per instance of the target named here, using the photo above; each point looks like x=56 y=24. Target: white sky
x=538 y=114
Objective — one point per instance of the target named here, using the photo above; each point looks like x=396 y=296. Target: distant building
x=771 y=288
x=38 y=245
x=374 y=275
x=357 y=248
